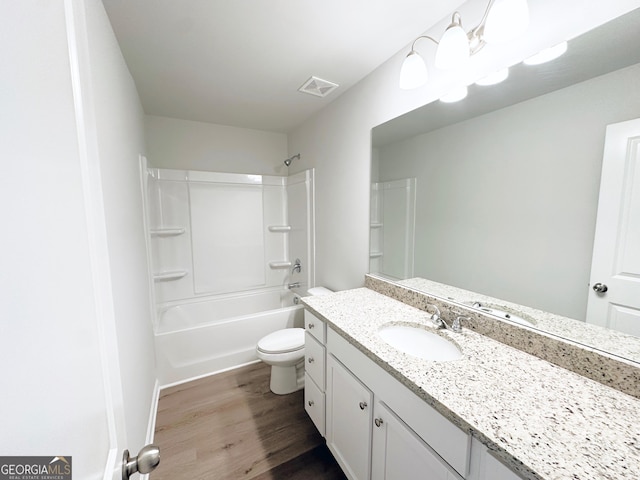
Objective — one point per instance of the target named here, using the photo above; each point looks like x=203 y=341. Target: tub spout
x=293 y=285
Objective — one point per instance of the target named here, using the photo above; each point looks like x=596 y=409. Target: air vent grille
x=318 y=87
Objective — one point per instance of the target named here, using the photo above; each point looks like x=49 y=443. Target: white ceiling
x=241 y=62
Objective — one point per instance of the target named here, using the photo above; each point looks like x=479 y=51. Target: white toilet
x=284 y=351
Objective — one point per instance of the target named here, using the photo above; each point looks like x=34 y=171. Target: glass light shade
x=494 y=78
x=547 y=54
x=413 y=73
x=454 y=95
x=507 y=20
x=453 y=49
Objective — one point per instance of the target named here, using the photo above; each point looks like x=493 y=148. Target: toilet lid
x=282 y=341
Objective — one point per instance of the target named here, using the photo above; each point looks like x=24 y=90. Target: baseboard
x=153 y=412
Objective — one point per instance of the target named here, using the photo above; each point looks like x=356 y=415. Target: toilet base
x=286 y=380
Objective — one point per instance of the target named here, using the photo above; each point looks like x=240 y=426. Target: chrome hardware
x=363 y=405
x=440 y=323
x=437 y=319
x=297 y=266
x=310 y=403
x=147 y=460
x=296 y=300
x=310 y=360
x=311 y=325
x=600 y=288
x=378 y=422
x=457 y=323
x=293 y=285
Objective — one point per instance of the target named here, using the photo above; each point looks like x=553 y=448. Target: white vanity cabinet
x=376 y=427
x=484 y=466
x=349 y=420
x=398 y=453
x=412 y=440
x=314 y=365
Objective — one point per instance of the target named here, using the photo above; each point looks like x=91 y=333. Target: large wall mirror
x=498 y=194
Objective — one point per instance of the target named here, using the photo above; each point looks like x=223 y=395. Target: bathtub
x=198 y=338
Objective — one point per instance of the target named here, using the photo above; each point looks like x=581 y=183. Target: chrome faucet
x=297 y=266
x=437 y=319
x=440 y=323
x=293 y=285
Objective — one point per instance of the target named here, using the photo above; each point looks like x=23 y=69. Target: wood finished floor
x=230 y=426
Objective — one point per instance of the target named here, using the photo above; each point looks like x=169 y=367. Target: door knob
x=600 y=288
x=147 y=460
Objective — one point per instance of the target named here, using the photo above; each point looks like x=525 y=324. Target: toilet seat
x=283 y=341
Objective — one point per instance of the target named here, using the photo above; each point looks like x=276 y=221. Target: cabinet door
x=494 y=470
x=399 y=453
x=349 y=420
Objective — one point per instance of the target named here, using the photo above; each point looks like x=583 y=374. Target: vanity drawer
x=314 y=403
x=315 y=326
x=314 y=359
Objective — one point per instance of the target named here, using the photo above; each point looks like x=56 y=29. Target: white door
x=614 y=299
x=58 y=354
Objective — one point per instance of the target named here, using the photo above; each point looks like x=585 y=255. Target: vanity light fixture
x=547 y=54
x=502 y=21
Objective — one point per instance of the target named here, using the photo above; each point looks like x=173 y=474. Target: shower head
x=288 y=161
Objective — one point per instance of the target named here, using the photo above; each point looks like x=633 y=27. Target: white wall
x=188 y=145
x=120 y=134
x=518 y=197
x=74 y=291
x=336 y=141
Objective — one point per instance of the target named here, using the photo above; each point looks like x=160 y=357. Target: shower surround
x=222 y=248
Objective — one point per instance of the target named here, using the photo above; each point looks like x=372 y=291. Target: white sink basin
x=419 y=342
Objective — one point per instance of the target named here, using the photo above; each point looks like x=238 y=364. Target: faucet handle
x=435 y=317
x=457 y=323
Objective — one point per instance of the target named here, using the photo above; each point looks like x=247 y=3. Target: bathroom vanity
x=496 y=413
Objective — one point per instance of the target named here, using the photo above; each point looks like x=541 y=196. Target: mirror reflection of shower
x=288 y=161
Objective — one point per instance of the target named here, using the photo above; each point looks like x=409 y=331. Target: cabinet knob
x=311 y=325
x=378 y=422
x=310 y=360
x=310 y=403
x=363 y=405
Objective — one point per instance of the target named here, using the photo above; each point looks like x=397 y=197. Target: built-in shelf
x=167 y=276
x=282 y=264
x=376 y=225
x=375 y=254
x=166 y=232
x=279 y=228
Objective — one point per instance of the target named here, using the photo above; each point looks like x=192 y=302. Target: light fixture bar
x=502 y=20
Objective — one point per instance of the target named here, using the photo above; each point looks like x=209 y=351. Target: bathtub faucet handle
x=297 y=266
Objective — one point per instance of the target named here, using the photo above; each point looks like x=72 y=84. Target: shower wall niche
x=215 y=234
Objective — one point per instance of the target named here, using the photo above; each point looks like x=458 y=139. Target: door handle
x=600 y=288
x=147 y=460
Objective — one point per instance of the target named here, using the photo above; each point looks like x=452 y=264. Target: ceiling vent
x=318 y=87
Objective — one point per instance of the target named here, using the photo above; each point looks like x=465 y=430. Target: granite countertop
x=543 y=421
